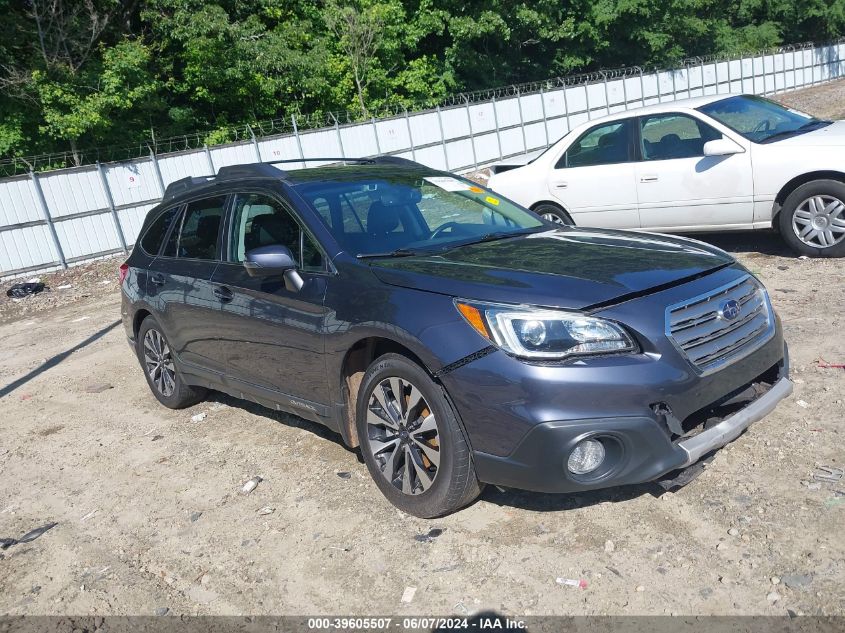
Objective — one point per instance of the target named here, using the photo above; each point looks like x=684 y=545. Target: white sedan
x=717 y=163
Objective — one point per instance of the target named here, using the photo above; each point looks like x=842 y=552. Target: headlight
x=534 y=333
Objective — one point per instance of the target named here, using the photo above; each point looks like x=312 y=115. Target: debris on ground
x=773 y=596
x=162 y=611
x=98 y=387
x=21 y=291
x=88 y=516
x=251 y=485
x=195 y=516
x=344 y=475
x=199 y=417
x=65 y=287
x=266 y=510
x=156 y=438
x=609 y=547
x=572 y=582
x=828 y=474
x=427 y=538
x=408 y=594
x=823 y=364
x=797 y=581
x=6 y=543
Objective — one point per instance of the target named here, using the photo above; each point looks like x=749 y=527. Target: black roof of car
x=270 y=171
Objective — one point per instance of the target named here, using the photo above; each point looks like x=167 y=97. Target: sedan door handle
x=223 y=293
x=157 y=279
x=561 y=185
x=649 y=178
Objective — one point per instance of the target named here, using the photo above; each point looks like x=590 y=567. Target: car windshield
x=380 y=212
x=759 y=119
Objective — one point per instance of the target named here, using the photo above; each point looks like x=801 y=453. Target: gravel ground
x=826 y=101
x=150 y=517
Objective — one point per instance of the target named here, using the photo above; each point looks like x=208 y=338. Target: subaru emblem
x=730 y=309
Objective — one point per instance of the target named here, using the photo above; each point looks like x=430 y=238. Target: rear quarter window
x=154 y=237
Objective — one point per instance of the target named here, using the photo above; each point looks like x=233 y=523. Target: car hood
x=565 y=268
x=833 y=134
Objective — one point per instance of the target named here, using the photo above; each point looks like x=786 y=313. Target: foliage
x=88 y=73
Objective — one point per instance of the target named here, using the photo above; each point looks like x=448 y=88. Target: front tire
x=812 y=219
x=411 y=441
x=160 y=370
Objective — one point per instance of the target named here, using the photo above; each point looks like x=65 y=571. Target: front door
x=679 y=188
x=594 y=179
x=271 y=338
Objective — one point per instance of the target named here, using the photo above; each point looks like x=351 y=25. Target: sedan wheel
x=158 y=363
x=819 y=221
x=403 y=435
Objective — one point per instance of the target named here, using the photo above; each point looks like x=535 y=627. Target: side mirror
x=274 y=260
x=722 y=147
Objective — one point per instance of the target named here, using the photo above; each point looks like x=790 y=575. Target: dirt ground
x=150 y=518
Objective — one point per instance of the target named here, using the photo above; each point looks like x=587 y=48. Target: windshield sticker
x=447 y=183
x=492 y=200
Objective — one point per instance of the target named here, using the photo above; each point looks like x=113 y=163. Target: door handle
x=157 y=279
x=649 y=178
x=223 y=293
x=561 y=185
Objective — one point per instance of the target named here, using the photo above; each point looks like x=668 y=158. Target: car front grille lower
x=721 y=326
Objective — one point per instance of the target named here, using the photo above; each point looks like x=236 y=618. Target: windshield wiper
x=399 y=252
x=813 y=123
x=492 y=237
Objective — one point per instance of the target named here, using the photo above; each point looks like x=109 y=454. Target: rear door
x=269 y=337
x=179 y=280
x=594 y=179
x=679 y=187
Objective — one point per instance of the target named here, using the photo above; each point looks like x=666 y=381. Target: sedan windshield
x=393 y=213
x=760 y=120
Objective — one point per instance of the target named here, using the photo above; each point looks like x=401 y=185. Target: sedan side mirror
x=722 y=147
x=274 y=260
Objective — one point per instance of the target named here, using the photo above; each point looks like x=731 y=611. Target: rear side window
x=605 y=144
x=196 y=237
x=154 y=237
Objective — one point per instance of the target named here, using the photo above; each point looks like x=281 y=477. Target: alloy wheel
x=819 y=221
x=158 y=362
x=553 y=217
x=403 y=435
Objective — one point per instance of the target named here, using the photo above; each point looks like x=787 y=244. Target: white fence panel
x=130 y=183
x=27 y=248
x=17 y=202
x=74 y=192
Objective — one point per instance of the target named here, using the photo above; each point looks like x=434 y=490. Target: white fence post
x=442 y=138
x=208 y=159
x=375 y=133
x=521 y=121
x=339 y=137
x=157 y=171
x=543 y=108
x=471 y=135
x=45 y=211
x=496 y=122
x=110 y=201
x=410 y=134
x=255 y=145
x=298 y=140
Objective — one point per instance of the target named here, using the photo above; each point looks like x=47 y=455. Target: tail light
x=122 y=272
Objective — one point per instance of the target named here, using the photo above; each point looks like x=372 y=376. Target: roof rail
x=267 y=170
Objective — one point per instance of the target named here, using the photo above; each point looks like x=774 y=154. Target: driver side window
x=260 y=220
x=668 y=136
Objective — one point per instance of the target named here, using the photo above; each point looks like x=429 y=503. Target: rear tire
x=553 y=213
x=412 y=443
x=160 y=370
x=812 y=219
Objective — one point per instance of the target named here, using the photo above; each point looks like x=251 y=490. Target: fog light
x=586 y=457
